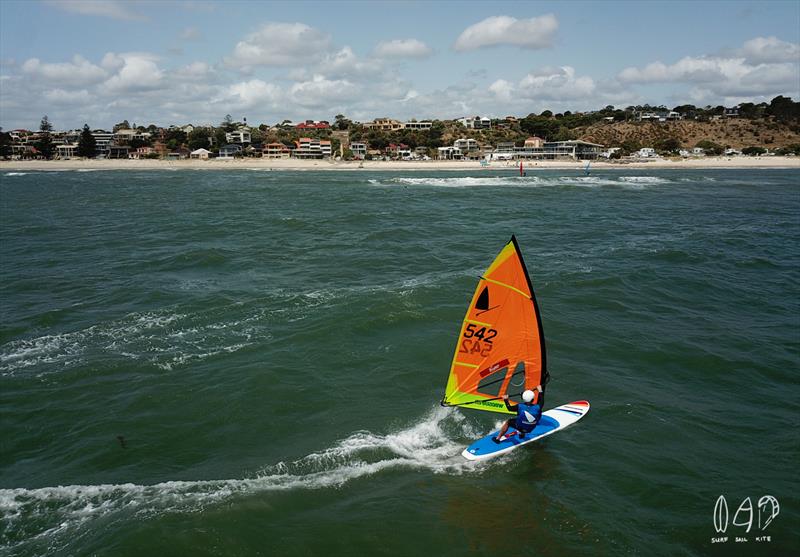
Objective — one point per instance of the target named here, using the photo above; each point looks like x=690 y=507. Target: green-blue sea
x=244 y=362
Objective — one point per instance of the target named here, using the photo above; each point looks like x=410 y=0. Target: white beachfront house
x=201 y=154
x=359 y=150
x=449 y=153
x=466 y=145
x=646 y=153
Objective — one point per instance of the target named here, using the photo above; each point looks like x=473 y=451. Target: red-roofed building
x=313 y=125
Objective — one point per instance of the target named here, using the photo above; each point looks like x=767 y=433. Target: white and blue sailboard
x=501 y=351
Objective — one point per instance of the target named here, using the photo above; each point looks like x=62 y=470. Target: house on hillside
x=418 y=125
x=476 y=122
x=384 y=124
x=239 y=136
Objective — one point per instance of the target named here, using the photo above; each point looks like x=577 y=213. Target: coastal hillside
x=735 y=133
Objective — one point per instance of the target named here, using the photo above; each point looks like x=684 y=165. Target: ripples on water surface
x=242 y=362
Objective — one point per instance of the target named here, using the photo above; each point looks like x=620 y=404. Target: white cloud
x=402 y=48
x=77 y=72
x=763 y=67
x=770 y=49
x=320 y=91
x=344 y=62
x=137 y=72
x=689 y=69
x=546 y=84
x=252 y=94
x=114 y=9
x=534 y=33
x=279 y=44
x=62 y=97
x=502 y=89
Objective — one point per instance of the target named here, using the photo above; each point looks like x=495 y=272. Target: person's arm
x=508 y=404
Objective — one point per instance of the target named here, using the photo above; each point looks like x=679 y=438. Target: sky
x=100 y=62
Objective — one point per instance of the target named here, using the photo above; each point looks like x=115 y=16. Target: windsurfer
x=528 y=414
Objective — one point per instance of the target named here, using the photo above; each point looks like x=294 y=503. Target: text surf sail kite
x=500 y=348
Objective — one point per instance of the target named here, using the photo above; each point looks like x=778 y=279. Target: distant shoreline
x=327 y=165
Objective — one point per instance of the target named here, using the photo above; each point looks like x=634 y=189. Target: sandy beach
x=310 y=165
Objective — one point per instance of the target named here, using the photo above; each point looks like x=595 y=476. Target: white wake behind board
x=552 y=420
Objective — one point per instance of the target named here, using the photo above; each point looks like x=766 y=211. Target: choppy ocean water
x=250 y=362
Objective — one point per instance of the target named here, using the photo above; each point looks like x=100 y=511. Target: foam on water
x=16 y=174
x=628 y=182
x=165 y=338
x=433 y=444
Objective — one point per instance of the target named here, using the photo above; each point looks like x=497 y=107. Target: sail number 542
x=484 y=334
x=477 y=340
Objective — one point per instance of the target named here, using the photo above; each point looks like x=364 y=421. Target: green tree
x=753 y=151
x=200 y=138
x=227 y=124
x=5 y=144
x=783 y=109
x=667 y=145
x=45 y=143
x=86 y=143
x=124 y=125
x=710 y=147
x=341 y=123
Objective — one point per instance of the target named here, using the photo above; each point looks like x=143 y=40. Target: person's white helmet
x=527 y=396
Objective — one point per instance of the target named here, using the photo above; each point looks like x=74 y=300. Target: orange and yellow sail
x=500 y=348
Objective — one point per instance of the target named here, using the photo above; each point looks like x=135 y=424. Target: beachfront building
x=536 y=148
x=476 y=122
x=534 y=142
x=230 y=151
x=466 y=145
x=102 y=141
x=646 y=153
x=142 y=153
x=118 y=151
x=240 y=136
x=398 y=151
x=449 y=153
x=383 y=124
x=325 y=146
x=201 y=154
x=276 y=151
x=310 y=148
x=359 y=150
x=67 y=150
x=417 y=125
